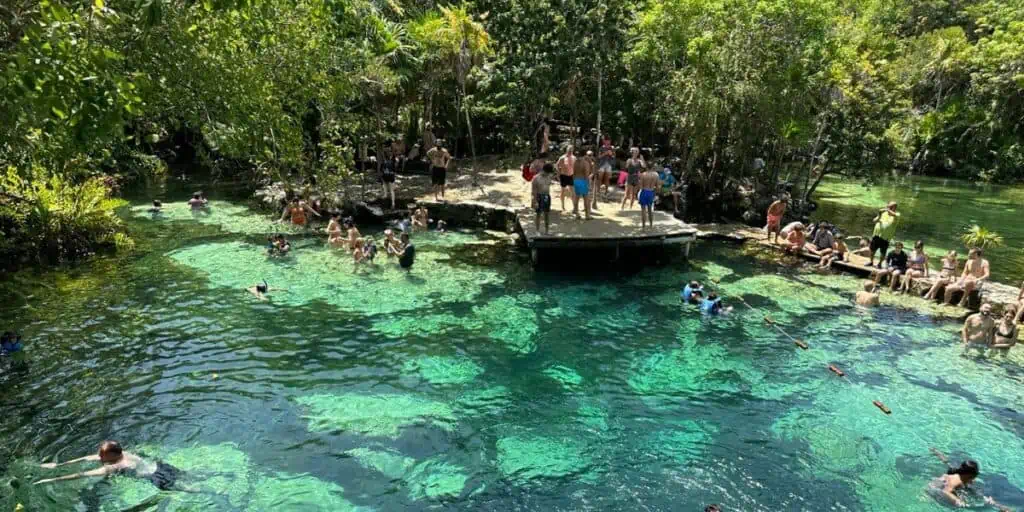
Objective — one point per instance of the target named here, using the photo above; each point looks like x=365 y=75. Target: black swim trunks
x=879 y=244
x=438 y=175
x=165 y=476
x=565 y=180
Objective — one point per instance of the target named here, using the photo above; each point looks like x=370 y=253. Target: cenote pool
x=475 y=383
x=934 y=210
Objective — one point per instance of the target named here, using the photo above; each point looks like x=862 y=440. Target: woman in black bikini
x=119 y=462
x=1006 y=331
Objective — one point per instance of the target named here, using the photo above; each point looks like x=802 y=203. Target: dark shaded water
x=470 y=386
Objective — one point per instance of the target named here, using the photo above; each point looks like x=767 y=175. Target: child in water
x=10 y=343
x=369 y=249
x=712 y=305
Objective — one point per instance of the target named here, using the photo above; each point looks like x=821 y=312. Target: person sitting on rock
x=976 y=272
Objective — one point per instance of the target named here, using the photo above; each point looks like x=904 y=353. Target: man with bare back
x=648 y=183
x=582 y=169
x=566 y=165
x=976 y=272
x=439 y=160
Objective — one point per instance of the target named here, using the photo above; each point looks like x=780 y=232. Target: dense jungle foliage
x=97 y=92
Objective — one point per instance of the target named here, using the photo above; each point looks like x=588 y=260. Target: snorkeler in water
x=116 y=461
x=260 y=291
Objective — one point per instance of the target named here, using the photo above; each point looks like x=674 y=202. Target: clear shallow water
x=473 y=383
x=936 y=211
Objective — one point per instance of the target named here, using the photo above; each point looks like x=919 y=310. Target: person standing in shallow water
x=1006 y=331
x=542 y=198
x=868 y=297
x=407 y=254
x=979 y=328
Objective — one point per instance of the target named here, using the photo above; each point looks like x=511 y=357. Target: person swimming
x=687 y=293
x=10 y=343
x=261 y=291
x=116 y=461
x=711 y=305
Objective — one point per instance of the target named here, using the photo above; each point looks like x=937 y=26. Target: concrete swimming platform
x=610 y=228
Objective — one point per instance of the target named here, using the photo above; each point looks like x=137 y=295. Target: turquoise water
x=476 y=383
x=936 y=211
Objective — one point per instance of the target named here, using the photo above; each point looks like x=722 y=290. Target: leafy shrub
x=977 y=236
x=55 y=220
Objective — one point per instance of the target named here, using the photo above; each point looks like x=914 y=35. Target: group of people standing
x=588 y=178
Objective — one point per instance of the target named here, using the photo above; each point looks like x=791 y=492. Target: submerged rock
x=374 y=415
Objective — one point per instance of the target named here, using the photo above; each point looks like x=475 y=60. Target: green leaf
x=59 y=113
x=97 y=4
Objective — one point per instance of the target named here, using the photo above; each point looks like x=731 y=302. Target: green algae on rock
x=527 y=457
x=593 y=416
x=507 y=320
x=443 y=370
x=396 y=326
x=435 y=479
x=315 y=273
x=374 y=415
x=483 y=401
x=285 y=491
x=564 y=375
x=684 y=442
x=389 y=463
x=228 y=217
x=431 y=479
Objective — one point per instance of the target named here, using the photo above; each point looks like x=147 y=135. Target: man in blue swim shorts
x=581 y=171
x=648 y=183
x=542 y=196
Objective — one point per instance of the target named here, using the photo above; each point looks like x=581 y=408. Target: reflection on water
x=936 y=211
x=486 y=387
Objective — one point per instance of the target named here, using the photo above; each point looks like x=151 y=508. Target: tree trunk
x=428 y=122
x=814 y=152
x=817 y=181
x=380 y=149
x=469 y=130
x=600 y=76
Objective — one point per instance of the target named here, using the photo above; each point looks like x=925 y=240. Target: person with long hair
x=634 y=166
x=947 y=275
x=918 y=266
x=605 y=168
